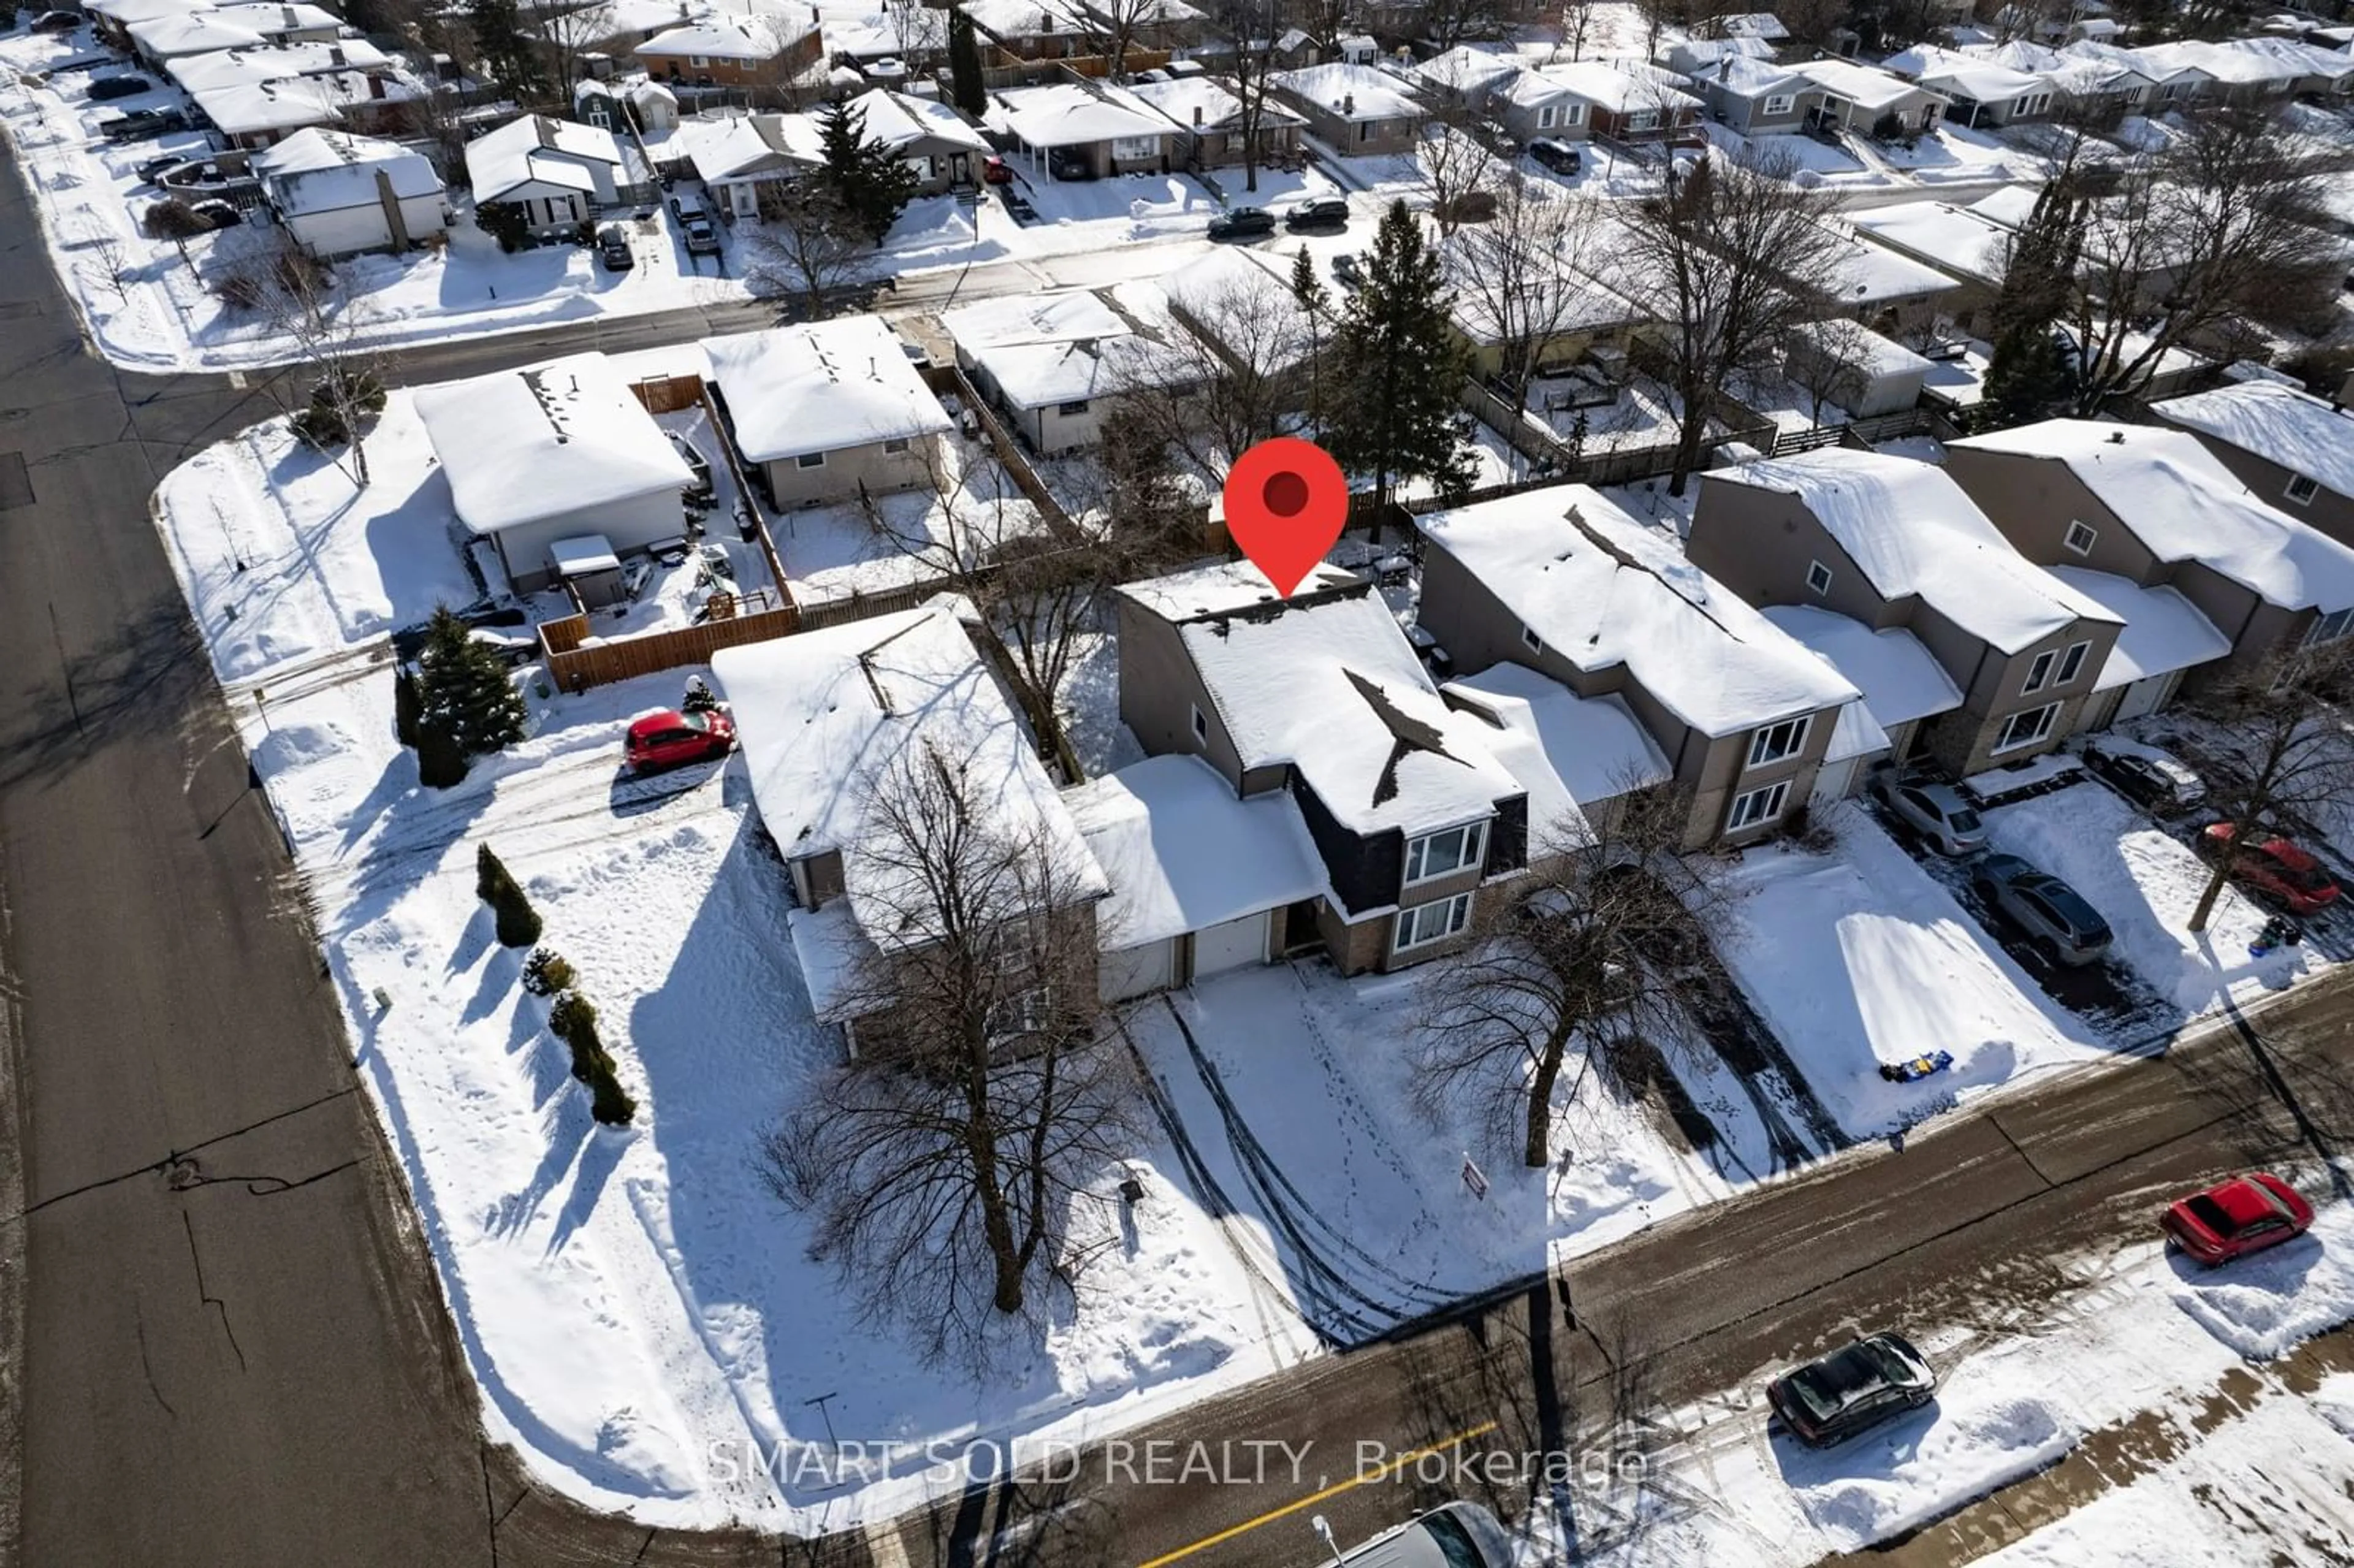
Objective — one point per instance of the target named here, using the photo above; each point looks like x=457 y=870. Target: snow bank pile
x=2144 y=884
x=2263 y=1307
x=1923 y=1467
x=1858 y=958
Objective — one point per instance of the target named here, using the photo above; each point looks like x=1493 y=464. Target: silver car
x=1453 y=1535
x=1936 y=812
x=2064 y=927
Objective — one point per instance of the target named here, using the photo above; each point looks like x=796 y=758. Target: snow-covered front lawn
x=1859 y=957
x=640 y=1313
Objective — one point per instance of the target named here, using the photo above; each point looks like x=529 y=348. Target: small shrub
x=547 y=972
x=611 y=1104
x=320 y=427
x=518 y=921
x=441 y=760
x=573 y=1021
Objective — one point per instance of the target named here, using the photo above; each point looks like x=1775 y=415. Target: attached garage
x=1196 y=874
x=1230 y=945
x=2164 y=635
x=1125 y=972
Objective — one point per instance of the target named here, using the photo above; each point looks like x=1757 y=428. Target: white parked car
x=1936 y=812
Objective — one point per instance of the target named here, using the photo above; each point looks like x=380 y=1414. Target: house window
x=1428 y=923
x=894 y=447
x=1643 y=120
x=1757 y=808
x=1780 y=102
x=1530 y=640
x=1819 y=579
x=2072 y=663
x=2079 y=538
x=1079 y=406
x=1364 y=131
x=2027 y=727
x=1545 y=118
x=2332 y=627
x=2301 y=490
x=1126 y=147
x=698 y=60
x=1200 y=725
x=1778 y=742
x=2039 y=675
x=1434 y=855
x=1573 y=114
x=810 y=459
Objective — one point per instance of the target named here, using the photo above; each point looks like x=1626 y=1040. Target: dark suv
x=1242 y=223
x=1832 y=1400
x=141 y=124
x=1559 y=156
x=1324 y=212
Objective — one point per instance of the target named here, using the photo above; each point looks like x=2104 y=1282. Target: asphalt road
x=224 y=1326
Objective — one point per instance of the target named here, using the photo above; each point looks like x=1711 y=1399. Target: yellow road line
x=1271 y=1515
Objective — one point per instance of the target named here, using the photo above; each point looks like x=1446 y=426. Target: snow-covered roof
x=1622 y=87
x=899 y=120
x=1900 y=680
x=1846 y=343
x=2183 y=504
x=128 y=12
x=1860 y=273
x=1568 y=751
x=1468 y=69
x=280 y=16
x=1354 y=92
x=317 y=171
x=538 y=147
x=728 y=39
x=1697 y=57
x=1183 y=853
x=2163 y=631
x=870 y=29
x=1739 y=78
x=1613 y=592
x=2154 y=71
x=192 y=33
x=2065 y=72
x=1057 y=347
x=821 y=717
x=1864 y=86
x=2281 y=424
x=1963 y=241
x=279 y=62
x=1325 y=682
x=1551 y=293
x=821 y=386
x=1915 y=534
x=248 y=108
x=1985 y=80
x=583 y=554
x=1065 y=115
x=1180 y=98
x=736 y=145
x=1028 y=18
x=1237 y=300
x=1762 y=25
x=564 y=437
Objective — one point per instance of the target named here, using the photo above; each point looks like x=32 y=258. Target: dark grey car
x=1832 y=1400
x=2062 y=925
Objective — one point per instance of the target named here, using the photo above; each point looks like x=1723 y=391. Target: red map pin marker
x=1286 y=500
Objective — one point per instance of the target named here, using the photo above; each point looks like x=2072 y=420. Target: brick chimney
x=1348 y=105
x=394 y=223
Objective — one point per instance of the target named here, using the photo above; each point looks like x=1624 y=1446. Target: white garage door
x=1218 y=949
x=2143 y=697
x=1835 y=778
x=1136 y=971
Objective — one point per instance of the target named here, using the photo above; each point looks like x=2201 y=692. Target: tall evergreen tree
x=465 y=690
x=868 y=181
x=1316 y=303
x=964 y=65
x=501 y=45
x=1398 y=370
x=2028 y=373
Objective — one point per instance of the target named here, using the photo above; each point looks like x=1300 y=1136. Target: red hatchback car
x=671 y=739
x=2234 y=1218
x=2276 y=869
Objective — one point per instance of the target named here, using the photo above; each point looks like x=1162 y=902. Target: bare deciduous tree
x=2223 y=224
x=1725 y=262
x=1237 y=375
x=941 y=1168
x=1517 y=276
x=1829 y=360
x=1253 y=29
x=296 y=299
x=808 y=248
x=2277 y=753
x=1557 y=962
x=1453 y=170
x=1446 y=23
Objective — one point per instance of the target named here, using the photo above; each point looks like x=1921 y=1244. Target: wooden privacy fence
x=576 y=664
x=668 y=394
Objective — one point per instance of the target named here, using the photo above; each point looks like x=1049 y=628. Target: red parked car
x=2275 y=868
x=671 y=739
x=995 y=171
x=2230 y=1220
